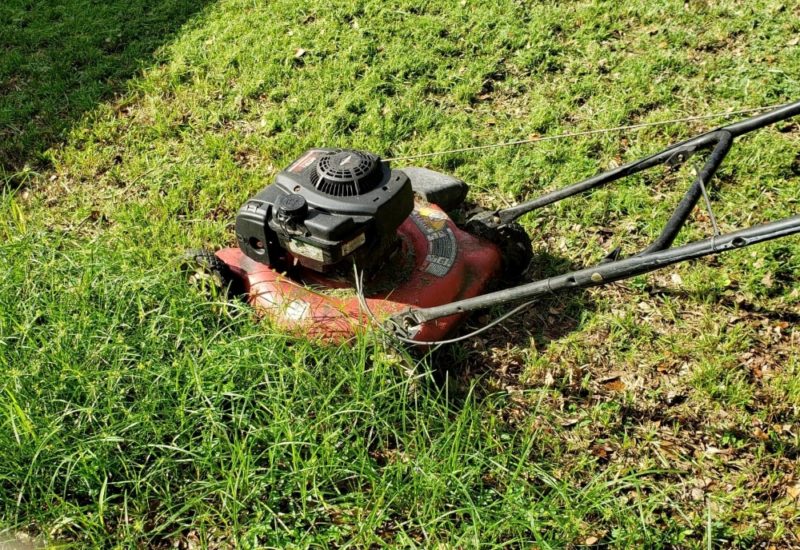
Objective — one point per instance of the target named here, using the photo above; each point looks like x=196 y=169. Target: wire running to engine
x=583 y=133
x=469 y=335
x=362 y=300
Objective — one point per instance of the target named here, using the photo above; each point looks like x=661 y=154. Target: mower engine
x=328 y=208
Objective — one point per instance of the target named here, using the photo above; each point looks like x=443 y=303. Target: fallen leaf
x=299 y=52
x=602 y=451
x=590 y=541
x=614 y=385
x=793 y=492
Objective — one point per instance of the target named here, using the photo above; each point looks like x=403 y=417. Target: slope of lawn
x=660 y=412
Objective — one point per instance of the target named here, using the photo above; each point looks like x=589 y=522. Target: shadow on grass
x=494 y=352
x=59 y=59
x=747 y=308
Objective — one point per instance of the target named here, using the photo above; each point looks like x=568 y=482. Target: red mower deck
x=439 y=264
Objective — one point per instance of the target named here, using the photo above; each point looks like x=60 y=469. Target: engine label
x=305 y=161
x=306 y=250
x=352 y=244
x=442 y=246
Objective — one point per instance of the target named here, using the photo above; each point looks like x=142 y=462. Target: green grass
x=60 y=58
x=657 y=412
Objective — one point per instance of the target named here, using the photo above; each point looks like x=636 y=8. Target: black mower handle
x=610 y=272
x=674 y=154
x=760 y=121
x=657 y=255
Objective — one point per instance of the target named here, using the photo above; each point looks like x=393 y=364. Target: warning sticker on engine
x=442 y=246
x=305 y=161
x=352 y=244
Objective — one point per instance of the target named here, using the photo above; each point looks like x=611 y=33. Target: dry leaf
x=613 y=382
x=793 y=492
x=602 y=451
x=590 y=541
x=299 y=52
x=615 y=385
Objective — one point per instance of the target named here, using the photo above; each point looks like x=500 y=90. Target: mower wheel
x=207 y=272
x=514 y=244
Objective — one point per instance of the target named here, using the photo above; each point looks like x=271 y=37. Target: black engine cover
x=328 y=205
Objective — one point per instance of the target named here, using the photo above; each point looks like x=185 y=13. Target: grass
x=57 y=64
x=658 y=412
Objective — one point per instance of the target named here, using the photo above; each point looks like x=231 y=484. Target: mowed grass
x=658 y=412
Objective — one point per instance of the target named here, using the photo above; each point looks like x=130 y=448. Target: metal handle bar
x=676 y=153
x=657 y=255
x=608 y=272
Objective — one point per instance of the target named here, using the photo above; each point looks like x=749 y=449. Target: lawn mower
x=341 y=242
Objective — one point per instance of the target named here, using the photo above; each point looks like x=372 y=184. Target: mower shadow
x=60 y=59
x=748 y=308
x=495 y=351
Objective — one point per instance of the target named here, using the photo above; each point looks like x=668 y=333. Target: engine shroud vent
x=346 y=173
